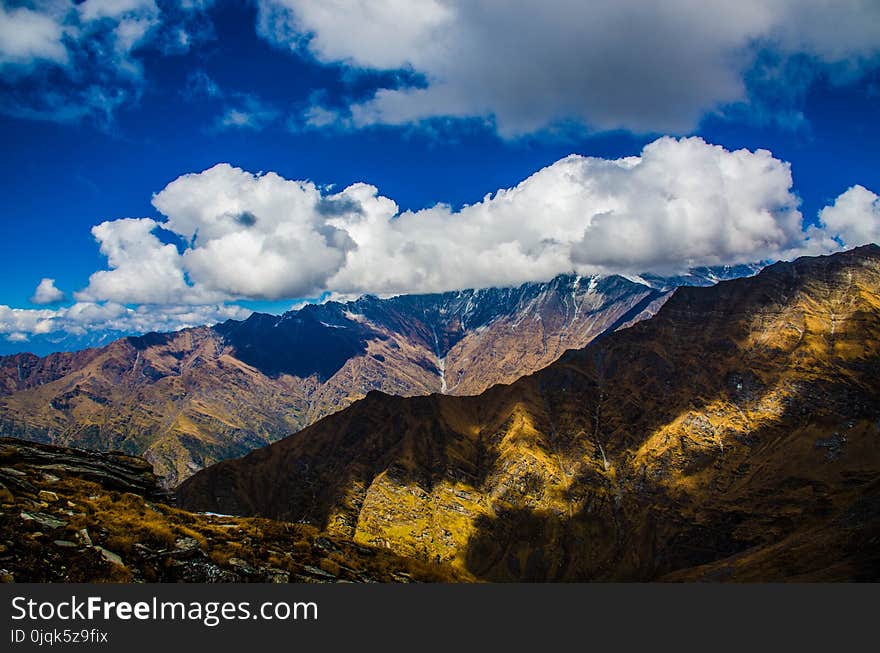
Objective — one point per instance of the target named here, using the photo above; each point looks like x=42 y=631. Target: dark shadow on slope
x=297 y=343
x=631 y=314
x=152 y=339
x=632 y=528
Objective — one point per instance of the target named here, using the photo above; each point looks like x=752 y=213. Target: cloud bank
x=655 y=66
x=20 y=325
x=681 y=203
x=228 y=234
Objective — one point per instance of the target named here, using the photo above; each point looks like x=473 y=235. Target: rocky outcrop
x=734 y=436
x=112 y=470
x=68 y=515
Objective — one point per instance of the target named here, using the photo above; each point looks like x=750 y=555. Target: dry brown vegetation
x=155 y=542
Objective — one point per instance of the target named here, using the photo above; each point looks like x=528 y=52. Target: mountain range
x=188 y=399
x=735 y=435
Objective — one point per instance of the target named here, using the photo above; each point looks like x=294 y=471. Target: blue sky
x=105 y=103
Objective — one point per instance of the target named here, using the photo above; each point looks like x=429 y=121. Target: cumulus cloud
x=681 y=203
x=251 y=235
x=853 y=219
x=644 y=66
x=143 y=269
x=686 y=202
x=47 y=293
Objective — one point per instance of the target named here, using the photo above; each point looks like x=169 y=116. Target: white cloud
x=253 y=235
x=373 y=33
x=235 y=118
x=19 y=325
x=143 y=270
x=317 y=117
x=47 y=293
x=95 y=9
x=646 y=66
x=686 y=202
x=27 y=35
x=853 y=219
x=680 y=203
x=835 y=31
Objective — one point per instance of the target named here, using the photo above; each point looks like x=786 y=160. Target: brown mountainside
x=188 y=399
x=735 y=435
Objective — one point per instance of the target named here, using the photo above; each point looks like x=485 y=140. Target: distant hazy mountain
x=47 y=343
x=701 y=276
x=733 y=436
x=185 y=400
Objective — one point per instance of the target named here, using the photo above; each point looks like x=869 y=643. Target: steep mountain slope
x=735 y=435
x=188 y=399
x=23 y=371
